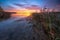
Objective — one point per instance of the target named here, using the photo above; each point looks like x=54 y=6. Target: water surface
x=16 y=27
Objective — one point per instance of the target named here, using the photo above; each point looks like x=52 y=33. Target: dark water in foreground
x=12 y=29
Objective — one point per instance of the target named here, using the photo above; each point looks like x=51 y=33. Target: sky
x=21 y=4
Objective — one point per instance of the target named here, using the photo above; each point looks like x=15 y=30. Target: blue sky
x=10 y=4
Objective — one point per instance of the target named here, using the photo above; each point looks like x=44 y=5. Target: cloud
x=20 y=5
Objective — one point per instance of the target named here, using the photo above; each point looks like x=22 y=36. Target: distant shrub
x=4 y=16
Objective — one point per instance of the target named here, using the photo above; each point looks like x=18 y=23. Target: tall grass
x=46 y=25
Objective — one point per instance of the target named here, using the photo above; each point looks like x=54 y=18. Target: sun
x=24 y=13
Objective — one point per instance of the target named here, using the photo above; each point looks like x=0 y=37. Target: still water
x=16 y=27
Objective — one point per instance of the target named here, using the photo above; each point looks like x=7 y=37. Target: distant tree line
x=4 y=15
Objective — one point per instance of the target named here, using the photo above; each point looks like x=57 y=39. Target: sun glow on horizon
x=23 y=13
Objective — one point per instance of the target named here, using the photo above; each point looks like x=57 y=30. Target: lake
x=15 y=28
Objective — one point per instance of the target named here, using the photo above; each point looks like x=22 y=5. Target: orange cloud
x=32 y=8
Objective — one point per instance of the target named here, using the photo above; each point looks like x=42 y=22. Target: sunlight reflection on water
x=13 y=22
x=19 y=15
